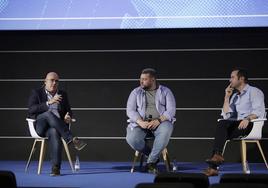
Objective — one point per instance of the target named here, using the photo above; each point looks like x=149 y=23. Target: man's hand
x=143 y=124
x=228 y=91
x=243 y=124
x=67 y=118
x=153 y=124
x=163 y=118
x=55 y=99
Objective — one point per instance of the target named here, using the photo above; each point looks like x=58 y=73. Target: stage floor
x=105 y=174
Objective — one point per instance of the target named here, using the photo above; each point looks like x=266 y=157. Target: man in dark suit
x=51 y=109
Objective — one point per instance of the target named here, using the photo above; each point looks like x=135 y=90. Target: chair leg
x=166 y=159
x=135 y=161
x=68 y=154
x=224 y=147
x=41 y=156
x=30 y=157
x=244 y=155
x=262 y=154
x=141 y=160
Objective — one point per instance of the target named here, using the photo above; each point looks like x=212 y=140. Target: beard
x=146 y=87
x=236 y=85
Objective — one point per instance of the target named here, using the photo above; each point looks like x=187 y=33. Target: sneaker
x=151 y=168
x=78 y=144
x=55 y=171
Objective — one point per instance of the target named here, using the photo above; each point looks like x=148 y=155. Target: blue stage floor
x=105 y=174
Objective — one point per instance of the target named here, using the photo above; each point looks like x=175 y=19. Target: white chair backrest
x=32 y=128
x=256 y=132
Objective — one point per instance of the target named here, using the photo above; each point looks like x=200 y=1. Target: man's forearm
x=251 y=117
x=133 y=115
x=139 y=121
x=163 y=118
x=226 y=105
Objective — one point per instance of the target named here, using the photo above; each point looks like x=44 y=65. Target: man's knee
x=131 y=140
x=53 y=133
x=224 y=122
x=51 y=118
x=45 y=115
x=165 y=129
x=135 y=141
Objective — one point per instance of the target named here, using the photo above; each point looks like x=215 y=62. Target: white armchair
x=254 y=136
x=37 y=138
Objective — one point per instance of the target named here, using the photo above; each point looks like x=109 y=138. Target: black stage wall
x=100 y=68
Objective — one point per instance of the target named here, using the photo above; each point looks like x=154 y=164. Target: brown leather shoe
x=211 y=172
x=217 y=160
x=78 y=144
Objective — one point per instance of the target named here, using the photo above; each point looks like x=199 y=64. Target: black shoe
x=151 y=168
x=55 y=171
x=78 y=144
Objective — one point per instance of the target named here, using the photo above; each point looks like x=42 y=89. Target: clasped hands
x=151 y=125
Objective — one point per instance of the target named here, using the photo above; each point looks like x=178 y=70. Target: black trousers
x=226 y=130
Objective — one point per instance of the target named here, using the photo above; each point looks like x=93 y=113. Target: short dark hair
x=150 y=71
x=241 y=72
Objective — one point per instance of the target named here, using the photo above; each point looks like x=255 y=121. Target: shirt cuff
x=225 y=115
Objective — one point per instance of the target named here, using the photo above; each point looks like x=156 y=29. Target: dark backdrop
x=99 y=69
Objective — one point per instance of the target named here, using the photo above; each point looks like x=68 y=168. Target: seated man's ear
x=242 y=78
x=44 y=83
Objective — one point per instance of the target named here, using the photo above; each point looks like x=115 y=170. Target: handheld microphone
x=150 y=118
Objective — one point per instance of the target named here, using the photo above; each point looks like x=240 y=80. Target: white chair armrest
x=258 y=120
x=71 y=123
x=30 y=120
x=253 y=120
x=256 y=132
x=33 y=120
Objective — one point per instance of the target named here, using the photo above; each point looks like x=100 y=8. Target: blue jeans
x=136 y=139
x=47 y=124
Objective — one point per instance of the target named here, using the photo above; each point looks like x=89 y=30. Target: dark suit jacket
x=37 y=103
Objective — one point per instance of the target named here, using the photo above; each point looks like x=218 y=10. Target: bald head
x=52 y=82
x=52 y=75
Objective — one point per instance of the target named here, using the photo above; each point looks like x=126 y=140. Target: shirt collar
x=48 y=93
x=245 y=89
x=158 y=87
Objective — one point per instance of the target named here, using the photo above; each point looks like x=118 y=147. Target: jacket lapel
x=43 y=95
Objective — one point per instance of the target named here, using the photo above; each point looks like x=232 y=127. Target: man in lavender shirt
x=151 y=109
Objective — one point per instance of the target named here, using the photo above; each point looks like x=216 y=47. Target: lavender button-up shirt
x=250 y=101
x=164 y=101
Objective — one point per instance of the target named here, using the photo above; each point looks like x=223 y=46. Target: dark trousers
x=227 y=129
x=47 y=124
